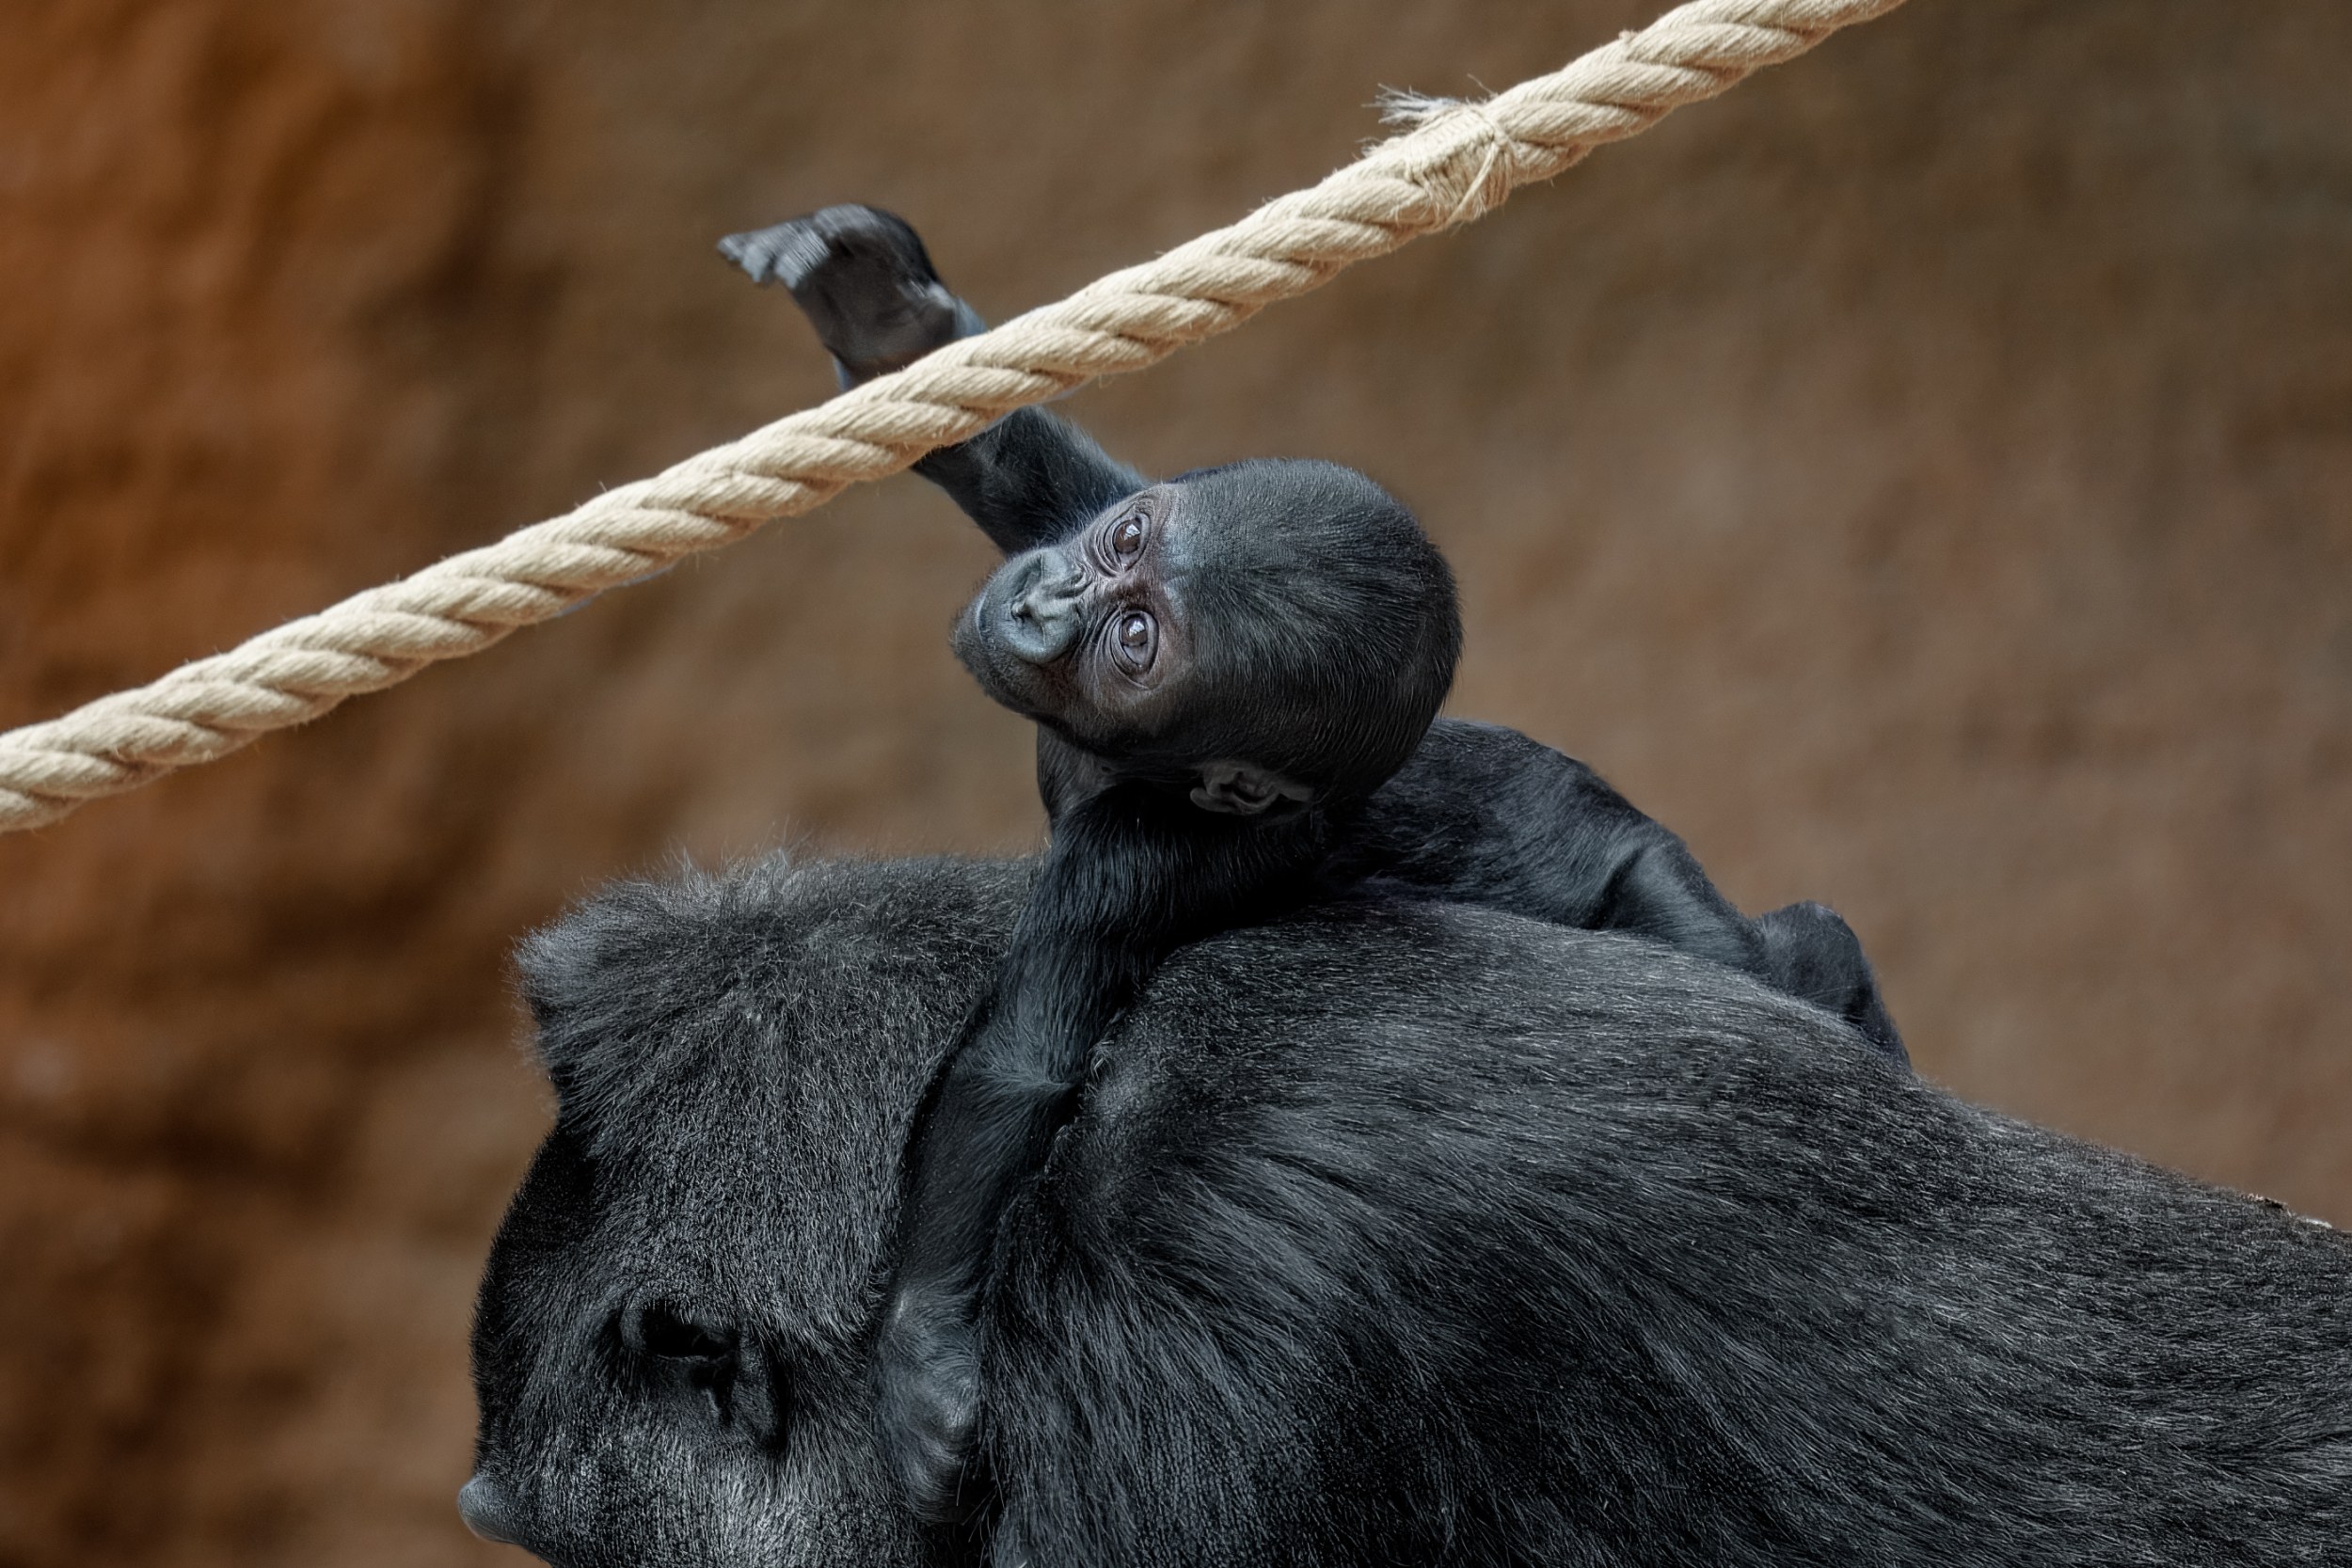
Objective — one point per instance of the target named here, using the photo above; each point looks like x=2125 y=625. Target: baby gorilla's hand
x=864 y=283
x=927 y=1394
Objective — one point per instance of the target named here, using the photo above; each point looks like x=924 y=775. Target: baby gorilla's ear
x=1246 y=789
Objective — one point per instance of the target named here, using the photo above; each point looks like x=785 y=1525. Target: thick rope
x=1456 y=162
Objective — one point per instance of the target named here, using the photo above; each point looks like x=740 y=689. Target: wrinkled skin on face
x=1092 y=635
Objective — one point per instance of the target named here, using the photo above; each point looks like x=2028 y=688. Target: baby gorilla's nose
x=1042 y=606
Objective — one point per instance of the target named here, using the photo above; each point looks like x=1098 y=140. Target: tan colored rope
x=1455 y=163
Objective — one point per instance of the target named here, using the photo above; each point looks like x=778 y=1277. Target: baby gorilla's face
x=1261 y=634
x=1091 y=636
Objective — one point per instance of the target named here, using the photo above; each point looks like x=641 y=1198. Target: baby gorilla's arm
x=867 y=285
x=1030 y=479
x=1131 y=874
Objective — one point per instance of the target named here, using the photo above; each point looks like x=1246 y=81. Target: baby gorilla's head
x=1271 y=632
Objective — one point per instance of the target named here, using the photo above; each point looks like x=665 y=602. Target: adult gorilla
x=1388 y=1234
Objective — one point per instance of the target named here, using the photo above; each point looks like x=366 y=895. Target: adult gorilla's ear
x=1246 y=789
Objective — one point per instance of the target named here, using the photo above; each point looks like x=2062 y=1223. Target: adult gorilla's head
x=668 y=1348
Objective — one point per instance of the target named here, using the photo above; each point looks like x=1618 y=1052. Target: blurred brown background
x=1923 y=478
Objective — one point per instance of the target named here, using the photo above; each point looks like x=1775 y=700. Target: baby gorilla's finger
x=782 y=253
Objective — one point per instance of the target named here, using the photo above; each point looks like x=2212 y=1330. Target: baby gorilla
x=1235 y=676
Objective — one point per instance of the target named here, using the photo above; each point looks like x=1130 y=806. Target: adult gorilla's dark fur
x=1392 y=1234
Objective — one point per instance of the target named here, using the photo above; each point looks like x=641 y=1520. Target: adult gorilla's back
x=1387 y=1235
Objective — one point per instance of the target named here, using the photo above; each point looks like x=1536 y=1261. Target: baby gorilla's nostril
x=1051 y=598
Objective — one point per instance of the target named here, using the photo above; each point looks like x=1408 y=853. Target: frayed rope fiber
x=1453 y=163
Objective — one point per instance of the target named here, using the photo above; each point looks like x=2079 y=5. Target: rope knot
x=1472 y=160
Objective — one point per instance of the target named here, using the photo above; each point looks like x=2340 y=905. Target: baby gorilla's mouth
x=1004 y=672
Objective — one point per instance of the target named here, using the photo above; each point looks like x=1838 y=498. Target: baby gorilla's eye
x=1135 y=637
x=1127 y=538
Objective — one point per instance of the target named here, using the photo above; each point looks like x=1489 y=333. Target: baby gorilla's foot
x=1814 y=954
x=864 y=283
x=927 y=1393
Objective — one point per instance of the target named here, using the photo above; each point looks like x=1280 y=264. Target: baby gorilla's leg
x=1482 y=815
x=864 y=281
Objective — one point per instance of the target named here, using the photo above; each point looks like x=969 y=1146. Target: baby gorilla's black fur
x=1234 y=674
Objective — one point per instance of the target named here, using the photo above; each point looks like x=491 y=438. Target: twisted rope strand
x=1453 y=164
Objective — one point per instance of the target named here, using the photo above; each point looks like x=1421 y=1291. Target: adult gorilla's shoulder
x=1397 y=1233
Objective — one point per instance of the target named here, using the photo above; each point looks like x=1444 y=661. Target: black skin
x=1234 y=675
x=1393 y=1232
